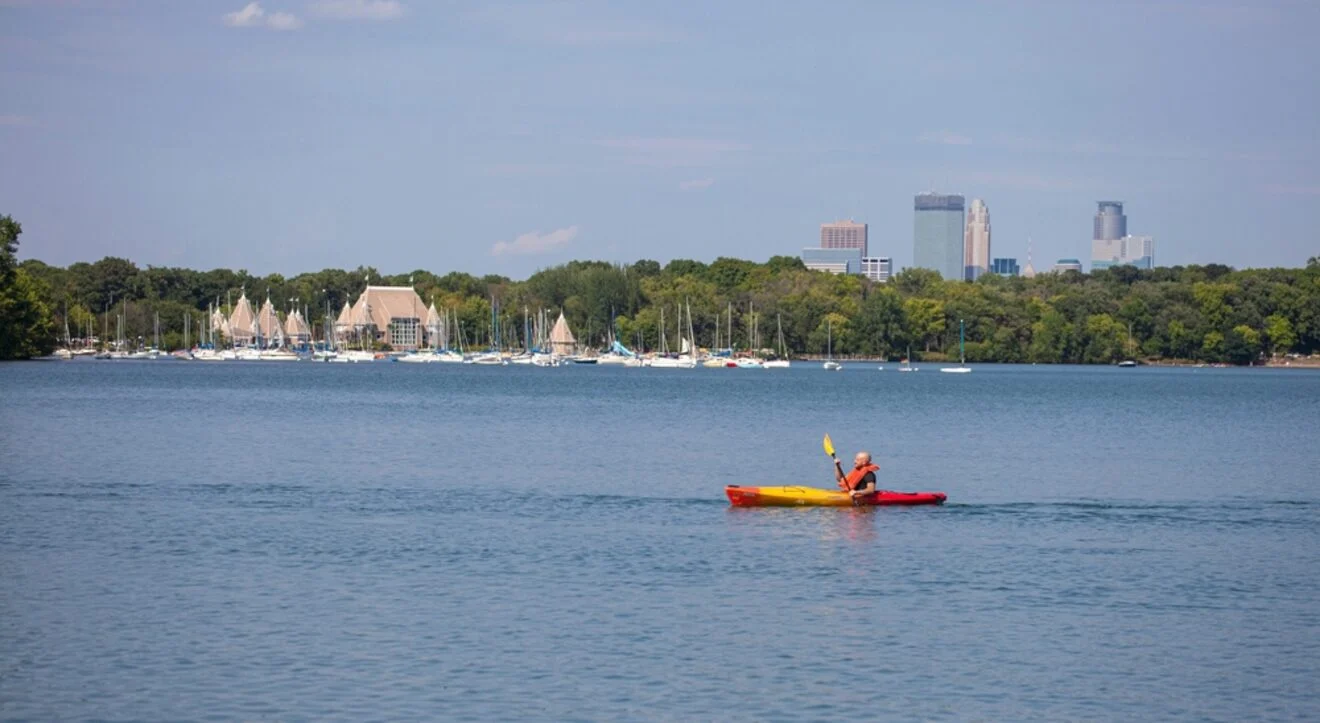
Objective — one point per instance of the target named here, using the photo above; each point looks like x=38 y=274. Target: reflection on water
x=397 y=541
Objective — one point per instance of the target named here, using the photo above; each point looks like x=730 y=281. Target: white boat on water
x=749 y=363
x=782 y=362
x=545 y=360
x=421 y=357
x=277 y=355
x=356 y=356
x=906 y=366
x=449 y=357
x=685 y=361
x=207 y=355
x=489 y=359
x=830 y=365
x=962 y=367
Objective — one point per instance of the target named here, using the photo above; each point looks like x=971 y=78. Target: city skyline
x=502 y=139
x=939 y=227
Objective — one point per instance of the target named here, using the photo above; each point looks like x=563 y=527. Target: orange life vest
x=854 y=478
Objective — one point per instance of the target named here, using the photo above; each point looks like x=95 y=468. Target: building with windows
x=1138 y=251
x=976 y=241
x=843 y=235
x=1063 y=265
x=1005 y=267
x=938 y=234
x=836 y=261
x=877 y=268
x=393 y=315
x=1110 y=223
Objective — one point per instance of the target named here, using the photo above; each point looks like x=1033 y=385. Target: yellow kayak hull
x=741 y=496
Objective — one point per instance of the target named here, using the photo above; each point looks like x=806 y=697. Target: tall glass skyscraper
x=1110 y=223
x=937 y=234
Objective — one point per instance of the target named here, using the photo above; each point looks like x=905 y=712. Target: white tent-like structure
x=561 y=338
x=242 y=322
x=269 y=326
x=296 y=330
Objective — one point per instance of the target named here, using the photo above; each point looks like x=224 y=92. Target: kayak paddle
x=829 y=447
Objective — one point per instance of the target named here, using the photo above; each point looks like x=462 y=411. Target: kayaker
x=860 y=481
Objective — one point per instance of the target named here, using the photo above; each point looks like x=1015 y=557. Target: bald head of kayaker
x=860 y=480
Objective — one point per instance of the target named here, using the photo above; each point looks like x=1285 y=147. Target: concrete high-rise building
x=938 y=234
x=976 y=241
x=877 y=268
x=1110 y=223
x=835 y=261
x=843 y=235
x=1063 y=265
x=1138 y=251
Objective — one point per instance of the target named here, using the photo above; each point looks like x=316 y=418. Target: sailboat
x=906 y=366
x=830 y=365
x=1129 y=362
x=962 y=367
x=782 y=362
x=751 y=361
x=684 y=359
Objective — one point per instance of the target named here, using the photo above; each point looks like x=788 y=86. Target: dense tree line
x=1208 y=313
x=26 y=329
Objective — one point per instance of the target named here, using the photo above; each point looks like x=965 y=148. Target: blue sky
x=294 y=135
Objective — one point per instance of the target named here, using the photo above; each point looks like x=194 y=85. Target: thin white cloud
x=253 y=15
x=1293 y=190
x=283 y=21
x=699 y=184
x=13 y=119
x=571 y=24
x=1024 y=180
x=358 y=9
x=944 y=138
x=535 y=242
x=671 y=152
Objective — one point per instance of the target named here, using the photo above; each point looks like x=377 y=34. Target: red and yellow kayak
x=816 y=497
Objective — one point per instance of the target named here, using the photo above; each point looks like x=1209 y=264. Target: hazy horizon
x=288 y=137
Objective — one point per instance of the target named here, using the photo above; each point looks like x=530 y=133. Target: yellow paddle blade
x=829 y=445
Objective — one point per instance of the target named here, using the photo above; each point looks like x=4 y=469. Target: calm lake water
x=388 y=541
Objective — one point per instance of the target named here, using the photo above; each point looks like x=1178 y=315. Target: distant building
x=1110 y=223
x=976 y=241
x=1138 y=251
x=1063 y=265
x=843 y=235
x=242 y=324
x=877 y=268
x=296 y=331
x=1005 y=267
x=835 y=261
x=393 y=315
x=938 y=234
